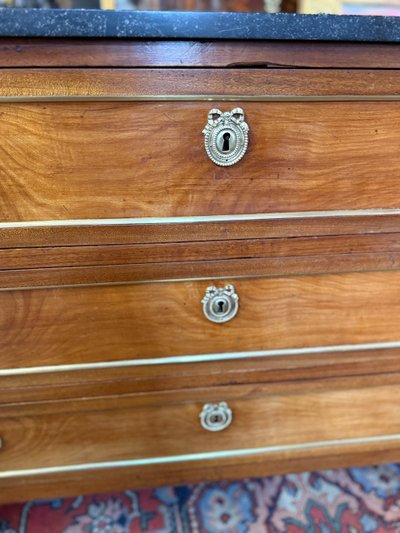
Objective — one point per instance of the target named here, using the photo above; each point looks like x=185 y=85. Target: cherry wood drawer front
x=90 y=160
x=279 y=419
x=38 y=52
x=157 y=320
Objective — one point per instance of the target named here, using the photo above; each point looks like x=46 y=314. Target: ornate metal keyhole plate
x=216 y=416
x=226 y=136
x=220 y=305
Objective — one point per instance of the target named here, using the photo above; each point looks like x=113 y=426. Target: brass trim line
x=200 y=219
x=206 y=98
x=193 y=457
x=201 y=358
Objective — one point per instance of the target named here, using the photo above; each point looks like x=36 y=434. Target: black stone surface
x=172 y=25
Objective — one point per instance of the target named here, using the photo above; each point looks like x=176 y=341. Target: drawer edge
x=196 y=457
x=201 y=358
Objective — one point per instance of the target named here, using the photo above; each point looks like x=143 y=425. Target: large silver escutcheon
x=226 y=136
x=220 y=305
x=216 y=416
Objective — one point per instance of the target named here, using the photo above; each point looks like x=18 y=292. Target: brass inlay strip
x=206 y=98
x=200 y=219
x=205 y=456
x=201 y=358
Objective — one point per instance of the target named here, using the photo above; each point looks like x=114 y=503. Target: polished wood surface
x=114 y=479
x=122 y=232
x=118 y=232
x=107 y=380
x=88 y=324
x=53 y=164
x=113 y=264
x=74 y=256
x=90 y=276
x=193 y=82
x=83 y=280
x=40 y=435
x=125 y=53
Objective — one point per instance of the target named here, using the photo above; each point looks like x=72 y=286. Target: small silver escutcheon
x=226 y=136
x=216 y=416
x=220 y=305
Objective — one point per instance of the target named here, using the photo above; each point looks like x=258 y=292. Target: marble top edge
x=91 y=23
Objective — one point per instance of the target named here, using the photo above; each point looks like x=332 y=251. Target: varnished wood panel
x=206 y=269
x=114 y=479
x=40 y=435
x=119 y=159
x=134 y=53
x=106 y=232
x=73 y=160
x=110 y=380
x=252 y=82
x=77 y=325
x=91 y=265
x=73 y=256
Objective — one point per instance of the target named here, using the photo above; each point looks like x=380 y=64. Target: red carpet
x=357 y=500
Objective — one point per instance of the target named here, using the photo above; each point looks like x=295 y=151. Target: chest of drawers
x=167 y=319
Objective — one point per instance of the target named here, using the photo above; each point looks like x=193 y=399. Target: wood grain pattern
x=105 y=160
x=95 y=382
x=60 y=433
x=77 y=325
x=128 y=53
x=108 y=232
x=233 y=249
x=211 y=270
x=114 y=479
x=108 y=83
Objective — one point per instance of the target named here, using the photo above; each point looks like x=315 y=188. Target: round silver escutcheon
x=220 y=304
x=216 y=416
x=226 y=136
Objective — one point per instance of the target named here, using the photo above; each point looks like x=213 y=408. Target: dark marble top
x=172 y=25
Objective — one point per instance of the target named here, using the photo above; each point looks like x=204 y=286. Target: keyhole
x=221 y=305
x=226 y=136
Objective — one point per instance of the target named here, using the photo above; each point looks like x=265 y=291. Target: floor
x=357 y=500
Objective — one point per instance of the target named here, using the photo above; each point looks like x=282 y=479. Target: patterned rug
x=357 y=500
